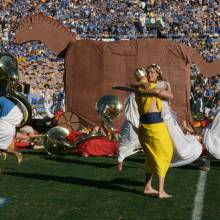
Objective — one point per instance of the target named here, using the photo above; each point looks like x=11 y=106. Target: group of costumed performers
x=165 y=143
x=150 y=126
x=187 y=147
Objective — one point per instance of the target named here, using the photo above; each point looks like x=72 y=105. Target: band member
x=128 y=138
x=10 y=117
x=211 y=138
x=152 y=132
x=11 y=114
x=187 y=147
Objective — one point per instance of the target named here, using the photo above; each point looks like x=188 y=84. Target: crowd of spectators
x=203 y=93
x=194 y=22
x=41 y=75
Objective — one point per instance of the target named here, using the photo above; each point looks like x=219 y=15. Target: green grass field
x=73 y=187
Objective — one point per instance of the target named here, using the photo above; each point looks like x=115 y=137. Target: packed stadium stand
x=194 y=22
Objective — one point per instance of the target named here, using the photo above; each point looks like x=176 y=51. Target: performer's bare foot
x=163 y=195
x=120 y=166
x=19 y=158
x=150 y=191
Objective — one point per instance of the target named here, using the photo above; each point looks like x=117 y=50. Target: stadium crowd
x=194 y=22
x=202 y=94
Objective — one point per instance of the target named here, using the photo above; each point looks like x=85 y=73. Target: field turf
x=73 y=187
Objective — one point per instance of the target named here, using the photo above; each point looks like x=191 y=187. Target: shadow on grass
x=215 y=163
x=85 y=161
x=188 y=167
x=81 y=162
x=113 y=185
x=135 y=159
x=63 y=159
x=126 y=181
x=35 y=153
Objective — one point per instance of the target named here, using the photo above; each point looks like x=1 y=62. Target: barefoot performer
x=153 y=134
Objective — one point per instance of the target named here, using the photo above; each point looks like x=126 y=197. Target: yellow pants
x=157 y=144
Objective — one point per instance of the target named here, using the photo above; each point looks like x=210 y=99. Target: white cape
x=128 y=138
x=7 y=126
x=186 y=147
x=211 y=138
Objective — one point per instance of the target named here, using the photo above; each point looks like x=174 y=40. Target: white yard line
x=199 y=198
